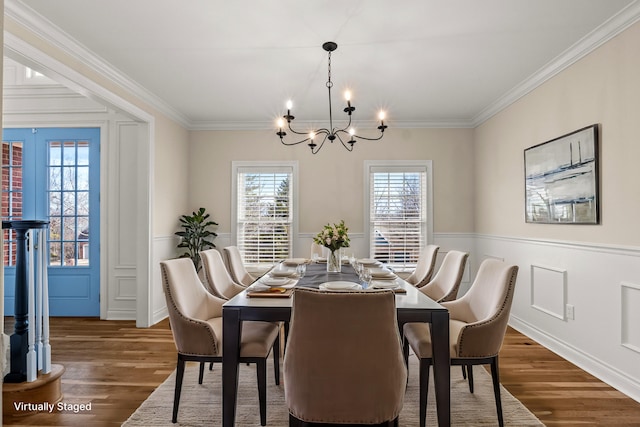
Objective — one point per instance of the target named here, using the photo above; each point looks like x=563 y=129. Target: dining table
x=411 y=305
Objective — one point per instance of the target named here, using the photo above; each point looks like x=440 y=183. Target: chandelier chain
x=329 y=82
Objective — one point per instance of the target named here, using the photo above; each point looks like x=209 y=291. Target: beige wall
x=171 y=176
x=331 y=182
x=603 y=88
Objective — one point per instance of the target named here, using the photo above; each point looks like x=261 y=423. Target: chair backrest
x=236 y=267
x=486 y=305
x=343 y=362
x=424 y=269
x=445 y=284
x=217 y=277
x=190 y=306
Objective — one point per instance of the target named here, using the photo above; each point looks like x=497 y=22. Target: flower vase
x=334 y=262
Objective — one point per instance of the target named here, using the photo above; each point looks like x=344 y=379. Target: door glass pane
x=69 y=208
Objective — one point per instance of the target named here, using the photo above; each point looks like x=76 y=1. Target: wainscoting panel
x=630 y=316
x=604 y=336
x=548 y=290
x=164 y=247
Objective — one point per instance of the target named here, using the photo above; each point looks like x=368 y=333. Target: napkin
x=383 y=284
x=258 y=287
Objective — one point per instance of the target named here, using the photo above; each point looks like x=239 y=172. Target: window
x=264 y=210
x=399 y=210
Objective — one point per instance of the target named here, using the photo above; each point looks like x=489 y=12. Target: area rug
x=200 y=405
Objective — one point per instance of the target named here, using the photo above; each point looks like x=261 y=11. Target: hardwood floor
x=115 y=366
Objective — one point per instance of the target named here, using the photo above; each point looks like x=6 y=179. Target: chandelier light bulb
x=312 y=135
x=381 y=115
x=289 y=105
x=352 y=131
x=280 y=123
x=347 y=95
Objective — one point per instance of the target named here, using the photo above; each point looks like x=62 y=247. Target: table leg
x=231 y=329
x=441 y=366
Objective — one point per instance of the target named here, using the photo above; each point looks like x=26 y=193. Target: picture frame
x=562 y=179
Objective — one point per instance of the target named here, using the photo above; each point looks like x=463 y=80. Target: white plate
x=274 y=281
x=295 y=261
x=339 y=286
x=369 y=261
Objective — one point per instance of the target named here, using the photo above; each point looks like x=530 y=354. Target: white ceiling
x=233 y=64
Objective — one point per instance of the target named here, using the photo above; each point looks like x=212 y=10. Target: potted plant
x=195 y=236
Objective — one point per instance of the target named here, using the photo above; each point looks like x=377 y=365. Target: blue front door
x=53 y=174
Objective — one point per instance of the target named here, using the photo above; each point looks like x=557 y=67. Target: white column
x=38 y=326
x=32 y=364
x=42 y=265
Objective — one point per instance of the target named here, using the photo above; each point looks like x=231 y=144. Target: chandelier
x=331 y=133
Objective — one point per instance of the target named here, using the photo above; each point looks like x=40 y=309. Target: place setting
x=280 y=281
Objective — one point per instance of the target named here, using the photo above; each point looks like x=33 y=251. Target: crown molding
x=44 y=29
x=596 y=38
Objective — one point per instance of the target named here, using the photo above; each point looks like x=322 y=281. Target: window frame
x=372 y=166
x=265 y=167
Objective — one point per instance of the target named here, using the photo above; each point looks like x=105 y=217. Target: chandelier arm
x=371 y=139
x=348 y=148
x=344 y=129
x=295 y=131
x=293 y=143
x=315 y=149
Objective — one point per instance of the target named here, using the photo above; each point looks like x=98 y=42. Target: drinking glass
x=301 y=269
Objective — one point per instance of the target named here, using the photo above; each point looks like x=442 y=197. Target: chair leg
x=286 y=336
x=495 y=375
x=211 y=366
x=424 y=390
x=261 y=368
x=178 y=389
x=470 y=375
x=464 y=372
x=405 y=353
x=201 y=374
x=276 y=359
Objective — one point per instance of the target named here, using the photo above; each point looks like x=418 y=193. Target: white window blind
x=397 y=213
x=264 y=212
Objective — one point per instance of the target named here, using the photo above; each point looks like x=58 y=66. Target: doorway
x=53 y=174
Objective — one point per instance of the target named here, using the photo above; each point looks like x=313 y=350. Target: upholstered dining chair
x=424 y=269
x=343 y=363
x=196 y=323
x=477 y=324
x=217 y=278
x=445 y=284
x=236 y=266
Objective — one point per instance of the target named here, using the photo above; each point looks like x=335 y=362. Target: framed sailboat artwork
x=561 y=179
